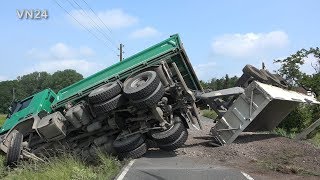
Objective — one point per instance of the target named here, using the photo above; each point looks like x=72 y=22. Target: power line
x=83 y=26
x=95 y=25
x=98 y=17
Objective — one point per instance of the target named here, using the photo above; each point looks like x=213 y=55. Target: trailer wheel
x=109 y=105
x=14 y=149
x=136 y=153
x=177 y=143
x=141 y=85
x=283 y=82
x=272 y=79
x=152 y=100
x=128 y=144
x=105 y=92
x=170 y=135
x=255 y=73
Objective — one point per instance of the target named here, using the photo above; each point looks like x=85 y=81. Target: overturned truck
x=149 y=99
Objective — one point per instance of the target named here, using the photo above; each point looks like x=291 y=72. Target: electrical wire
x=99 y=18
x=95 y=25
x=83 y=25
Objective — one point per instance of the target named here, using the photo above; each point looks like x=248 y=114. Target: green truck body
x=169 y=50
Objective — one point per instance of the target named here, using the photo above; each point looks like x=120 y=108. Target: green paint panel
x=39 y=102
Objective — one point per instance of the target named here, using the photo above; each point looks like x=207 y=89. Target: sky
x=220 y=37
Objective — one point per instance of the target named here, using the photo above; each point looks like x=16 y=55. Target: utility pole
x=121 y=52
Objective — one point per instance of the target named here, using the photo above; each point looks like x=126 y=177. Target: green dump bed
x=170 y=50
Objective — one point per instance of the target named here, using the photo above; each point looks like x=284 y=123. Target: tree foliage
x=32 y=83
x=302 y=116
x=218 y=84
x=290 y=66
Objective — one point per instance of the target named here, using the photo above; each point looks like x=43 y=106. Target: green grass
x=316 y=139
x=64 y=167
x=2 y=118
x=209 y=113
x=284 y=133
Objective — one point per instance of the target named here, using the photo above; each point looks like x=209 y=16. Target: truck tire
x=105 y=92
x=128 y=144
x=151 y=143
x=14 y=149
x=283 y=82
x=255 y=73
x=141 y=85
x=136 y=153
x=177 y=143
x=110 y=105
x=152 y=100
x=170 y=135
x=272 y=79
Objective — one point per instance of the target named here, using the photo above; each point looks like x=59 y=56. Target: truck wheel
x=272 y=79
x=128 y=144
x=109 y=105
x=141 y=85
x=14 y=149
x=283 y=82
x=255 y=73
x=169 y=135
x=105 y=92
x=177 y=143
x=152 y=100
x=136 y=153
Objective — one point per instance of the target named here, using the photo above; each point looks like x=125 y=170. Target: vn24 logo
x=33 y=14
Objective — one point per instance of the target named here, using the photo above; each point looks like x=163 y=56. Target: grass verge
x=284 y=133
x=64 y=167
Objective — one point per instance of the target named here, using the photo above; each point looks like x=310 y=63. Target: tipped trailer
x=258 y=107
x=150 y=98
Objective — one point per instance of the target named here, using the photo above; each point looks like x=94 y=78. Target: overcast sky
x=219 y=36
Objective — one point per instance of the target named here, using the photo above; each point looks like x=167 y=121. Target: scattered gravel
x=264 y=155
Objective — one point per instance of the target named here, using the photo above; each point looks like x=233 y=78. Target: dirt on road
x=265 y=156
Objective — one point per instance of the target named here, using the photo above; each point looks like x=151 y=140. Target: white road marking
x=247 y=176
x=125 y=170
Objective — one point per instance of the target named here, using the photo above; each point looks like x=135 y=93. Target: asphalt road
x=158 y=165
x=161 y=165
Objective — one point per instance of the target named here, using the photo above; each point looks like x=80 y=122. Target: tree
x=62 y=79
x=290 y=69
x=290 y=66
x=218 y=84
x=34 y=82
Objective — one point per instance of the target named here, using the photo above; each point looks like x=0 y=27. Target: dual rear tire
x=262 y=75
x=144 y=90
x=172 y=138
x=107 y=97
x=133 y=146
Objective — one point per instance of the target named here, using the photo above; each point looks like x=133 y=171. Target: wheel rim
x=140 y=81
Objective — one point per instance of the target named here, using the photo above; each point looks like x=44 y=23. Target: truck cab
x=37 y=104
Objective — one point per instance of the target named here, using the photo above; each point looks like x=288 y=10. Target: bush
x=297 y=120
